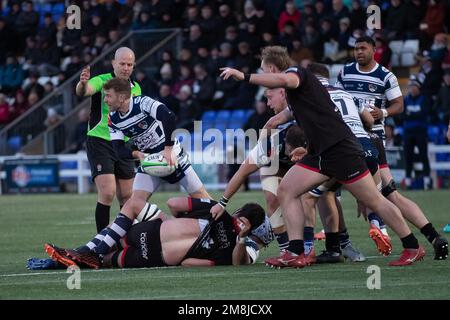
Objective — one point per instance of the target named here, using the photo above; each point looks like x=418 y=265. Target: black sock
x=101 y=216
x=429 y=232
x=332 y=242
x=296 y=246
x=344 y=238
x=283 y=240
x=410 y=242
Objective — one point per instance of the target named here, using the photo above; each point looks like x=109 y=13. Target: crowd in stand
x=37 y=51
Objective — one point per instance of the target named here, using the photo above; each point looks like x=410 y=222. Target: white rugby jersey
x=349 y=110
x=373 y=88
x=140 y=124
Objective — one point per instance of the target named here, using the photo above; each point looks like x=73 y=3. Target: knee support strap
x=387 y=190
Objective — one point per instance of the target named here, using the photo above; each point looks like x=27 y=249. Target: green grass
x=27 y=222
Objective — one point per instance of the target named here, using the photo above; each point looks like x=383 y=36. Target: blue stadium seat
x=58 y=8
x=15 y=143
x=209 y=116
x=67 y=165
x=223 y=115
x=249 y=113
x=238 y=115
x=45 y=7
x=433 y=134
x=5 y=11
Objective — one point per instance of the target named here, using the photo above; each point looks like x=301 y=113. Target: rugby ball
x=156 y=165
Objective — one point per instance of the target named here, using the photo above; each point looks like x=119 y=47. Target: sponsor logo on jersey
x=143 y=125
x=144 y=248
x=372 y=87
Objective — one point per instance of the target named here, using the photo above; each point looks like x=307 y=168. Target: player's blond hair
x=278 y=56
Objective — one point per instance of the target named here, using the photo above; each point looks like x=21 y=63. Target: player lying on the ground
x=192 y=238
x=149 y=124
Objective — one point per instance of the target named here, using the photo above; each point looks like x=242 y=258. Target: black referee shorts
x=103 y=160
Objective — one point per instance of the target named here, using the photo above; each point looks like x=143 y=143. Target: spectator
x=48 y=31
x=166 y=97
x=395 y=20
x=290 y=14
x=358 y=16
x=441 y=107
x=4 y=110
x=209 y=23
x=299 y=52
x=74 y=66
x=339 y=11
x=8 y=40
x=19 y=106
x=259 y=118
x=78 y=141
x=147 y=85
x=415 y=124
x=203 y=88
x=415 y=12
x=382 y=52
x=225 y=19
x=188 y=110
x=185 y=78
x=11 y=76
x=195 y=39
x=27 y=21
x=32 y=84
x=433 y=22
x=144 y=22
x=58 y=133
x=264 y=20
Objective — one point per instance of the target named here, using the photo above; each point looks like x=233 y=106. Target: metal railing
x=30 y=127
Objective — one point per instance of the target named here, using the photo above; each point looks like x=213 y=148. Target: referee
x=111 y=174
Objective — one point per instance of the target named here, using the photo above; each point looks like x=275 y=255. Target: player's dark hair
x=253 y=212
x=295 y=137
x=278 y=56
x=367 y=39
x=319 y=69
x=118 y=85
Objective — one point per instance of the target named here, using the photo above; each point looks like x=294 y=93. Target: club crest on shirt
x=143 y=125
x=372 y=87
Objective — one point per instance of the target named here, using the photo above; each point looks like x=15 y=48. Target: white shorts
x=145 y=182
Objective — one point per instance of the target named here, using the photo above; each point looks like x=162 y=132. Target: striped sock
x=283 y=240
x=308 y=239
x=94 y=242
x=118 y=229
x=344 y=239
x=376 y=220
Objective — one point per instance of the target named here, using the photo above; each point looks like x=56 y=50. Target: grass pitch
x=28 y=221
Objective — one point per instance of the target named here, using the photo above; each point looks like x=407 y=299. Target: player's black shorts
x=378 y=143
x=103 y=159
x=370 y=153
x=344 y=161
x=143 y=247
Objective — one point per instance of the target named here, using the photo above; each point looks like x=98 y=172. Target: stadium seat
x=409 y=52
x=58 y=8
x=223 y=115
x=209 y=116
x=249 y=114
x=45 y=7
x=433 y=134
x=238 y=115
x=15 y=143
x=396 y=47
